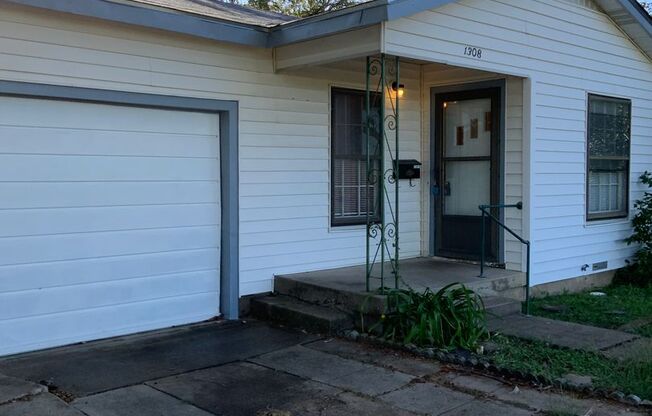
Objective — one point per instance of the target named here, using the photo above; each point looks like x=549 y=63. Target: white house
x=160 y=159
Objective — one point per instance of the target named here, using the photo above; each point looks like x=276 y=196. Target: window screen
x=608 y=157
x=352 y=196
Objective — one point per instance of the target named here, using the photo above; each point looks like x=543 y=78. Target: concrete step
x=497 y=306
x=299 y=314
x=323 y=295
x=499 y=295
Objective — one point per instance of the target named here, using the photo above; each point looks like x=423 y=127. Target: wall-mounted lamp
x=398 y=87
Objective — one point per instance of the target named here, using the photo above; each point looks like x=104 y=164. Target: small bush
x=640 y=272
x=453 y=317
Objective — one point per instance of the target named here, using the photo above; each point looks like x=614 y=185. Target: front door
x=467 y=131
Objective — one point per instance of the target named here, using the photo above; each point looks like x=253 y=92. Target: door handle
x=447 y=188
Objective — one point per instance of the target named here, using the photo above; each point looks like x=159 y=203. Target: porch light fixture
x=398 y=87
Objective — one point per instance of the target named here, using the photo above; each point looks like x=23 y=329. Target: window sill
x=607 y=222
x=346 y=228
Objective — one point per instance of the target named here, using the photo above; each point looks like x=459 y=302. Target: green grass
x=623 y=304
x=542 y=360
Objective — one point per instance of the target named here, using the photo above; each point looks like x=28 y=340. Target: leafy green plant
x=640 y=272
x=453 y=317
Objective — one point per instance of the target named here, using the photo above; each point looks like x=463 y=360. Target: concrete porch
x=328 y=301
x=420 y=273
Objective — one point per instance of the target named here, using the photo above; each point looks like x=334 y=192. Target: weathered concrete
x=498 y=306
x=573 y=285
x=41 y=405
x=348 y=404
x=243 y=389
x=298 y=314
x=135 y=401
x=336 y=371
x=333 y=378
x=12 y=388
x=419 y=274
x=560 y=333
x=636 y=350
x=525 y=398
x=106 y=365
x=484 y=408
x=427 y=398
x=389 y=359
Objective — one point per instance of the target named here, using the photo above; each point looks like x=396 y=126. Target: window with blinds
x=351 y=196
x=609 y=126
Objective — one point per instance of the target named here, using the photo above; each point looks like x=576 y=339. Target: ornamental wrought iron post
x=382 y=142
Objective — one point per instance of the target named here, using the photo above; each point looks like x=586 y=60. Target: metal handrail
x=485 y=213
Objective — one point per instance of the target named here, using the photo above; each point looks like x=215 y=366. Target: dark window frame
x=346 y=221
x=624 y=213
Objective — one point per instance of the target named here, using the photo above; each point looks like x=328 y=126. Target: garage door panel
x=31 y=222
x=89 y=194
x=18 y=250
x=109 y=221
x=73 y=115
x=39 y=140
x=74 y=272
x=107 y=293
x=57 y=168
x=89 y=324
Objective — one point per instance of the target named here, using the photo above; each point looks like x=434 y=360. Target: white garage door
x=109 y=220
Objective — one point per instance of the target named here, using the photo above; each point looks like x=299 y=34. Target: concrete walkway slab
x=349 y=404
x=389 y=359
x=333 y=370
x=636 y=350
x=41 y=405
x=104 y=365
x=427 y=398
x=535 y=401
x=12 y=388
x=135 y=401
x=560 y=333
x=244 y=389
x=295 y=380
x=484 y=408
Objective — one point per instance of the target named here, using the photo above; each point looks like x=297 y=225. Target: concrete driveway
x=250 y=368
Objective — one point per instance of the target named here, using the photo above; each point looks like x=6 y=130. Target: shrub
x=453 y=317
x=640 y=272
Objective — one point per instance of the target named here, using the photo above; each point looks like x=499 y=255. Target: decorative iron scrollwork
x=382 y=139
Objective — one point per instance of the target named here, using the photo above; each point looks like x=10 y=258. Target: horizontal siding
x=569 y=49
x=284 y=140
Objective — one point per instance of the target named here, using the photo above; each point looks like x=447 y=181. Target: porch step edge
x=324 y=296
x=497 y=306
x=298 y=314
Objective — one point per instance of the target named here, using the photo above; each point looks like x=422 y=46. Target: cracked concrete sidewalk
x=254 y=369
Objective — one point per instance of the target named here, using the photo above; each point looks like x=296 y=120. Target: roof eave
x=358 y=17
x=628 y=14
x=633 y=20
x=179 y=22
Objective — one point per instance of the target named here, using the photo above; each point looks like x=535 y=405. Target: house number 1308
x=472 y=51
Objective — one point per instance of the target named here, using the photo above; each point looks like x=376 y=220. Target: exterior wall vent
x=600 y=266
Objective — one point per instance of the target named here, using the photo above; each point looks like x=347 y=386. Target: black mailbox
x=409 y=169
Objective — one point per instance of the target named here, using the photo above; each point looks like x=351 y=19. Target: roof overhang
x=168 y=20
x=632 y=19
x=628 y=14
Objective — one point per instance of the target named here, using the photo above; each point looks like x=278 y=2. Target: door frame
x=498 y=159
x=226 y=110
